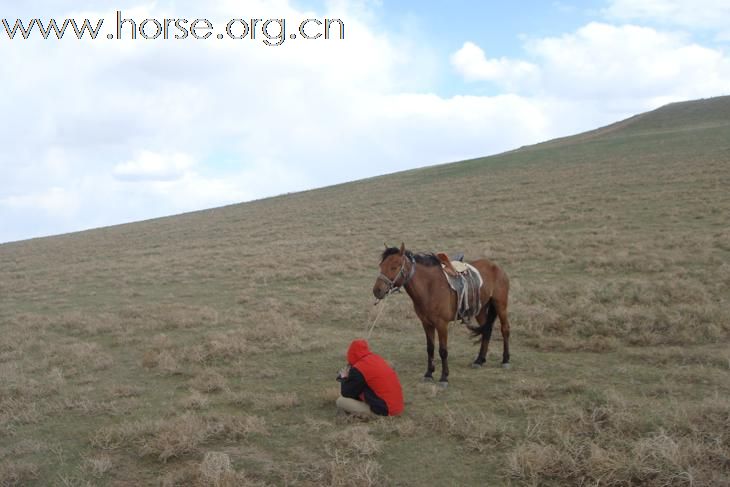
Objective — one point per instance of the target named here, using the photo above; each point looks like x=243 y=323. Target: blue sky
x=101 y=132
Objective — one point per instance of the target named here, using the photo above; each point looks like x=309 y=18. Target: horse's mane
x=427 y=259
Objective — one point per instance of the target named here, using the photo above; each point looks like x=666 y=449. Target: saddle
x=452 y=265
x=466 y=282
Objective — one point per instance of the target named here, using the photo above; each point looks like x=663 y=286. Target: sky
x=106 y=131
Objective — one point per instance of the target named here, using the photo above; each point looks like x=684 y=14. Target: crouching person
x=368 y=385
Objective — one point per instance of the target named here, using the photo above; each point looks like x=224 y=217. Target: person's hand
x=343 y=373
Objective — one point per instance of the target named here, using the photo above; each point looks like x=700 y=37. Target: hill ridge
x=672 y=117
x=675 y=116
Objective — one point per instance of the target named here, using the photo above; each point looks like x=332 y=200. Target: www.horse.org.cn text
x=271 y=32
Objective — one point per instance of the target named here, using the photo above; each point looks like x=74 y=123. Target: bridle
x=392 y=286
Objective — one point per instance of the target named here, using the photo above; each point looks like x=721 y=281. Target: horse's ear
x=386 y=245
x=402 y=248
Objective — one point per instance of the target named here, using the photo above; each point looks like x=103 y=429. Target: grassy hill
x=202 y=348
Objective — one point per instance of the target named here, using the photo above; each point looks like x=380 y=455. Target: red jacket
x=371 y=379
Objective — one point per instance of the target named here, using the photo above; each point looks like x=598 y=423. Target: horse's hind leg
x=488 y=315
x=430 y=335
x=501 y=300
x=443 y=332
x=504 y=322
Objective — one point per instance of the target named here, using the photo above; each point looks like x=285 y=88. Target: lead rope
x=372 y=326
x=392 y=291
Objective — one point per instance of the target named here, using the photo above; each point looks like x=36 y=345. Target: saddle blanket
x=467 y=284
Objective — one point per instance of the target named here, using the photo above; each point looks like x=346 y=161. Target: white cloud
x=54 y=201
x=471 y=62
x=147 y=128
x=704 y=14
x=606 y=61
x=613 y=65
x=151 y=166
x=110 y=131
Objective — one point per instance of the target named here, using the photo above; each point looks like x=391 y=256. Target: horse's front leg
x=443 y=332
x=430 y=334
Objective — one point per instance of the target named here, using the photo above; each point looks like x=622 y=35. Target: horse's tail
x=485 y=329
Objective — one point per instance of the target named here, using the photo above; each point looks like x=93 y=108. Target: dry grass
x=284 y=400
x=612 y=444
x=209 y=380
x=99 y=465
x=354 y=441
x=17 y=473
x=478 y=432
x=176 y=437
x=196 y=400
x=202 y=349
x=346 y=471
x=350 y=461
x=179 y=436
x=216 y=470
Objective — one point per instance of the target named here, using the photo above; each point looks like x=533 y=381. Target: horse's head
x=393 y=275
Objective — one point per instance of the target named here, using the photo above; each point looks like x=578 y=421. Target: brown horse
x=435 y=302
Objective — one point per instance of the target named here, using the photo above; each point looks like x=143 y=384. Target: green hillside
x=201 y=349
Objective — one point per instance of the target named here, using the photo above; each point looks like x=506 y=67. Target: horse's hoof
x=443 y=384
x=506 y=365
x=427 y=380
x=475 y=365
